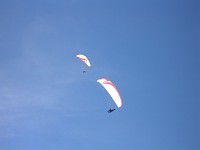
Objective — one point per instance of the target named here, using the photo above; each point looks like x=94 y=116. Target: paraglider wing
x=112 y=90
x=84 y=59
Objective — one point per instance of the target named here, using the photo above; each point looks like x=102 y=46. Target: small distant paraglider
x=112 y=90
x=84 y=59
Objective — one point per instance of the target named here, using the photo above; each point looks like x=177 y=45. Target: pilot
x=110 y=110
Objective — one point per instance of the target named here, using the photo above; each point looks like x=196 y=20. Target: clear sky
x=148 y=48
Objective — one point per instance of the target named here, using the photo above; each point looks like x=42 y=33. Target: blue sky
x=148 y=48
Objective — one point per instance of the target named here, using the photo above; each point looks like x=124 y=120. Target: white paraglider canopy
x=84 y=59
x=112 y=90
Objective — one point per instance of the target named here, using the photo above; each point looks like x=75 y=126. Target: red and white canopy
x=112 y=90
x=84 y=59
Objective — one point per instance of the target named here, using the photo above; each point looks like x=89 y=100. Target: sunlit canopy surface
x=112 y=90
x=84 y=59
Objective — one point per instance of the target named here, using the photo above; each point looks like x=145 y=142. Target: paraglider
x=106 y=83
x=84 y=59
x=112 y=90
